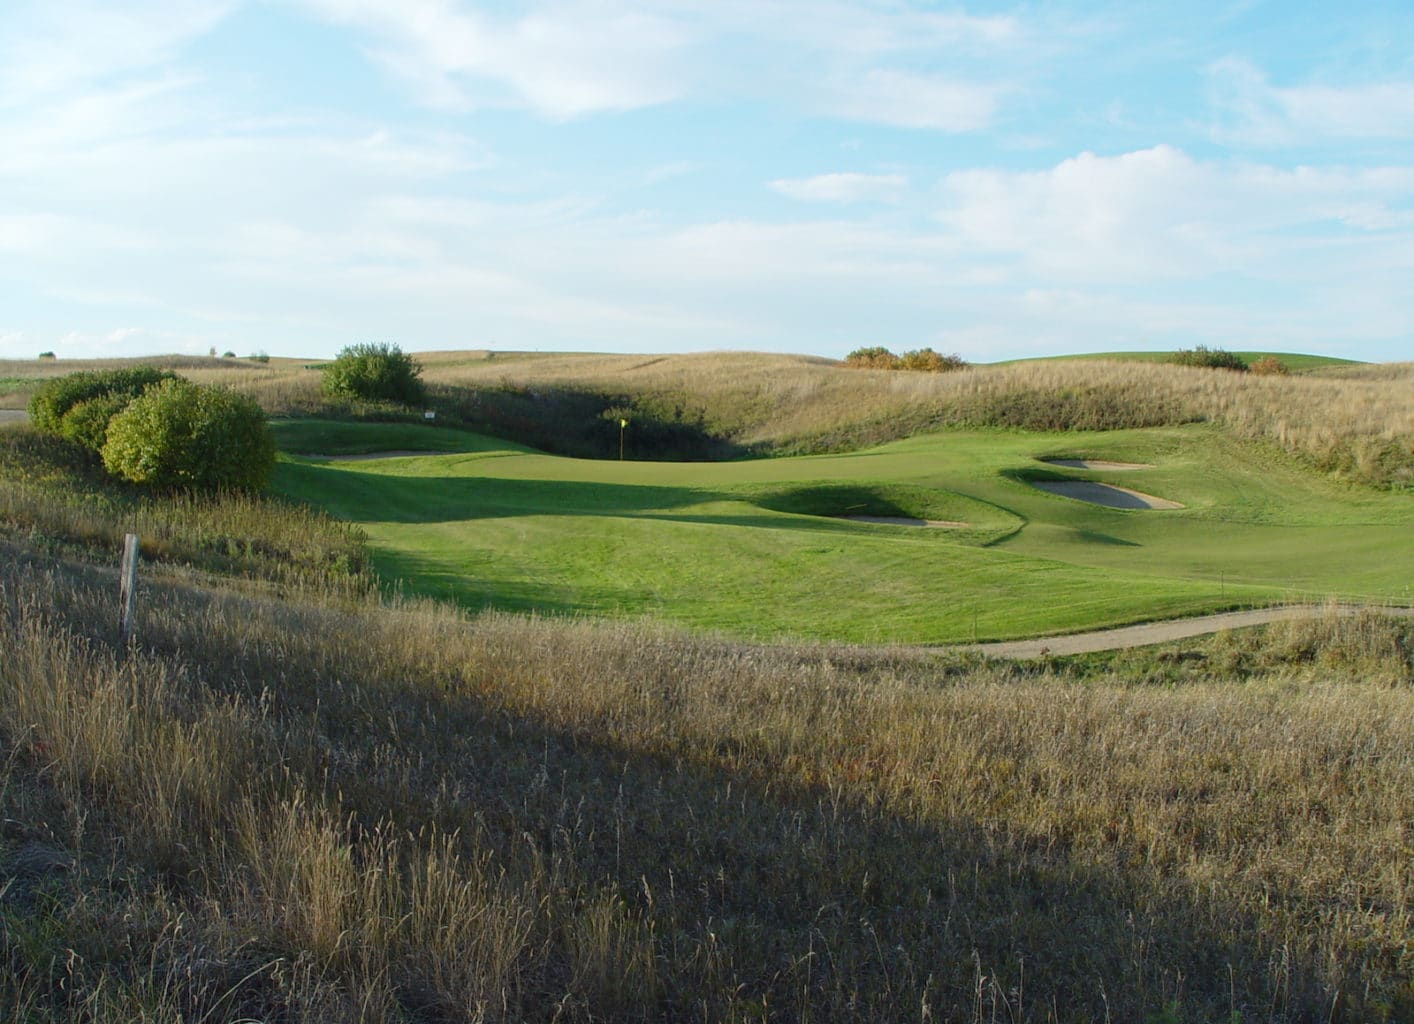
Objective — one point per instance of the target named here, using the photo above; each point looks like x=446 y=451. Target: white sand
x=1102 y=494
x=937 y=524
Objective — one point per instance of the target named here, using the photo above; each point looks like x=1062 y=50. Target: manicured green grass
x=1296 y=362
x=329 y=437
x=721 y=545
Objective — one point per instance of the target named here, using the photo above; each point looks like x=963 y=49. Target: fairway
x=760 y=548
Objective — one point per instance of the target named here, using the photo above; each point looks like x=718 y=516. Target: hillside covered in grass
x=298 y=798
x=1355 y=421
x=294 y=811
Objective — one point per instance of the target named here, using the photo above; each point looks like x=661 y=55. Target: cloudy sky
x=293 y=176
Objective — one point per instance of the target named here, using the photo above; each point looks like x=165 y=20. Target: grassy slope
x=279 y=811
x=1297 y=362
x=697 y=544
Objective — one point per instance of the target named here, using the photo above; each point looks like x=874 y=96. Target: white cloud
x=569 y=58
x=47 y=47
x=909 y=100
x=1160 y=212
x=843 y=188
x=1261 y=114
x=563 y=60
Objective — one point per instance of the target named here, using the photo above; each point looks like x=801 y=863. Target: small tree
x=180 y=435
x=375 y=373
x=1269 y=366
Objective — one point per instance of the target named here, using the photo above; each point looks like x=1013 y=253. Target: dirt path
x=1162 y=632
x=13 y=416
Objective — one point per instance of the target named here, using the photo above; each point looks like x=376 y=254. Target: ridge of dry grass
x=1356 y=421
x=400 y=813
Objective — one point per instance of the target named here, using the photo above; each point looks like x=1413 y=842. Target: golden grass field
x=305 y=812
x=1355 y=420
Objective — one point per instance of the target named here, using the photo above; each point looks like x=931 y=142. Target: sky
x=811 y=176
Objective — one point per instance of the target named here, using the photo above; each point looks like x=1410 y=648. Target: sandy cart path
x=1162 y=632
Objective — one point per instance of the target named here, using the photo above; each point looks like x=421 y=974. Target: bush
x=53 y=400
x=927 y=361
x=180 y=435
x=375 y=373
x=874 y=357
x=86 y=424
x=47 y=355
x=1214 y=358
x=1269 y=366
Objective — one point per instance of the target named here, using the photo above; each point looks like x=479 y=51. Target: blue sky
x=293 y=176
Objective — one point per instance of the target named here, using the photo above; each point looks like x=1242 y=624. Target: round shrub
x=86 y=424
x=180 y=435
x=54 y=398
x=375 y=373
x=1269 y=366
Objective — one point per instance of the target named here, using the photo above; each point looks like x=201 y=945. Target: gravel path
x=13 y=416
x=1162 y=632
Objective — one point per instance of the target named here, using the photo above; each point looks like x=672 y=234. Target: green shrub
x=54 y=398
x=47 y=355
x=86 y=424
x=180 y=435
x=375 y=373
x=1213 y=358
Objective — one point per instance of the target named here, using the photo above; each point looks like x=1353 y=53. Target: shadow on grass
x=767 y=896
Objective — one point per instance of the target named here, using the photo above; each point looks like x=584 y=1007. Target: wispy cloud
x=1255 y=112
x=570 y=58
x=47 y=48
x=1159 y=211
x=909 y=100
x=843 y=188
x=563 y=60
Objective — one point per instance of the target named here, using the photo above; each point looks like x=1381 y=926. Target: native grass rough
x=1357 y=421
x=293 y=811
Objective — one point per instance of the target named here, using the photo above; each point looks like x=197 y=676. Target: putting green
x=757 y=548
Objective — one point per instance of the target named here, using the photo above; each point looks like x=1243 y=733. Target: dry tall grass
x=281 y=811
x=1358 y=421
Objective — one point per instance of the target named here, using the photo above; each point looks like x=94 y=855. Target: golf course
x=764 y=548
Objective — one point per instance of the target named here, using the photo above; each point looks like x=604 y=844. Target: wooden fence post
x=127 y=588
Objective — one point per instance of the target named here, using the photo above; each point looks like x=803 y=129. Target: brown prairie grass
x=1356 y=421
x=400 y=812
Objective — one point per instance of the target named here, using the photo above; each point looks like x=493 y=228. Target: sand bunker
x=1103 y=494
x=1096 y=464
x=937 y=524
